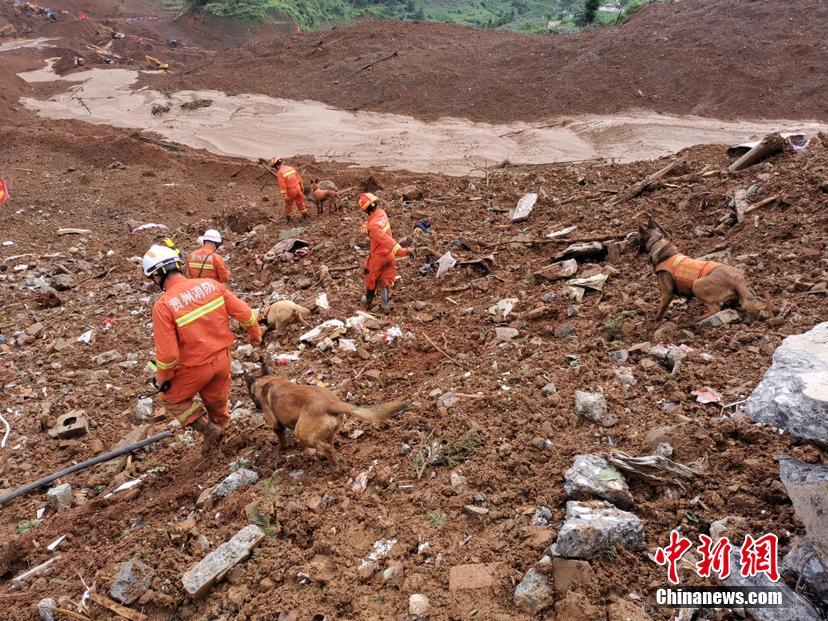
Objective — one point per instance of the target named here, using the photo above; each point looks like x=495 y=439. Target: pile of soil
x=319 y=526
x=702 y=57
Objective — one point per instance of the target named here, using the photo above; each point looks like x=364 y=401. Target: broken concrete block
x=807 y=487
x=113 y=355
x=212 y=568
x=71 y=425
x=592 y=528
x=474 y=576
x=235 y=481
x=592 y=477
x=593 y=406
x=793 y=394
x=132 y=581
x=722 y=318
x=505 y=334
x=534 y=592
x=143 y=410
x=60 y=496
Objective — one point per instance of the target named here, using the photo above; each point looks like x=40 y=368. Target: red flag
x=82 y=16
x=4 y=191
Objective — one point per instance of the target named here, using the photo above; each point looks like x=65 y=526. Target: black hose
x=83 y=465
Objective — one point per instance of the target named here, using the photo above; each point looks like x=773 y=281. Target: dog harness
x=685 y=271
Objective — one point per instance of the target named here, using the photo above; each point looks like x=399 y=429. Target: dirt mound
x=514 y=443
x=702 y=57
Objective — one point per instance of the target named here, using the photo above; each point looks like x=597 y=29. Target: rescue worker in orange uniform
x=206 y=262
x=192 y=341
x=291 y=187
x=381 y=264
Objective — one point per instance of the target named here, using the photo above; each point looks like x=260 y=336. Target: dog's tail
x=374 y=414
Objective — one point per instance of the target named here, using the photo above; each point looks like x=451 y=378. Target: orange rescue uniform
x=207 y=263
x=292 y=189
x=192 y=341
x=381 y=265
x=685 y=271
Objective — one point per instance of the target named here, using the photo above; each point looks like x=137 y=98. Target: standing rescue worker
x=291 y=187
x=192 y=335
x=206 y=262
x=381 y=264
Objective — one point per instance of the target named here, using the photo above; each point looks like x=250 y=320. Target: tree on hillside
x=587 y=15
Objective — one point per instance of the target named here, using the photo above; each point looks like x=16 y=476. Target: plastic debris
x=445 y=263
x=322 y=301
x=86 y=337
x=502 y=309
x=706 y=395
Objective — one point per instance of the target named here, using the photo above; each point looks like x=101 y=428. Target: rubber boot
x=212 y=433
x=368 y=298
x=386 y=300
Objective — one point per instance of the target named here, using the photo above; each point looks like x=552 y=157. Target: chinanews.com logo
x=754 y=560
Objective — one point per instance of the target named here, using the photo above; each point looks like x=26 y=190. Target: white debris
x=445 y=263
x=562 y=232
x=322 y=301
x=524 y=207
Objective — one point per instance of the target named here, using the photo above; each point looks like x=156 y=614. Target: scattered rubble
x=534 y=592
x=133 y=579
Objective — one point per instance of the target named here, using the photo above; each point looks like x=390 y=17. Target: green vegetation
x=529 y=16
x=438 y=519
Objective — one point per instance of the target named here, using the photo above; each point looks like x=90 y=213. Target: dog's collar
x=657 y=247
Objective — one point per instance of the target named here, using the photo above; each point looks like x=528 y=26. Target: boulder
x=793 y=395
x=132 y=581
x=592 y=477
x=807 y=487
x=592 y=528
x=593 y=406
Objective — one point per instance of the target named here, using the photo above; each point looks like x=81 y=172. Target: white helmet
x=211 y=235
x=160 y=258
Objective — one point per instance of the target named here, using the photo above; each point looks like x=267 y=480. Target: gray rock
x=793 y=395
x=592 y=477
x=542 y=517
x=236 y=368
x=535 y=591
x=804 y=563
x=593 y=406
x=796 y=608
x=46 y=608
x=63 y=282
x=722 y=318
x=245 y=351
x=60 y=496
x=505 y=334
x=549 y=389
x=132 y=581
x=418 y=605
x=588 y=251
x=565 y=330
x=447 y=400
x=620 y=355
x=807 y=486
x=592 y=528
x=572 y=311
x=235 y=481
x=669 y=355
x=213 y=567
x=143 y=410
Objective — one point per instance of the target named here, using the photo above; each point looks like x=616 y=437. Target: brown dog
x=281 y=314
x=315 y=414
x=322 y=192
x=713 y=283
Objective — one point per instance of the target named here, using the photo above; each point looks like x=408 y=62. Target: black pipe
x=83 y=465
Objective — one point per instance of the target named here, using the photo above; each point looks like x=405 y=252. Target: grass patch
x=261 y=519
x=613 y=326
x=27 y=525
x=438 y=519
x=451 y=450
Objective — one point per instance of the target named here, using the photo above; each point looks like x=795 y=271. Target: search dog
x=315 y=414
x=712 y=283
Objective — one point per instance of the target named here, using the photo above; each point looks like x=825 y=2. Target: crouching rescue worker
x=381 y=264
x=192 y=335
x=291 y=187
x=206 y=262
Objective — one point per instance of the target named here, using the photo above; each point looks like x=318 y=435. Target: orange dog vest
x=685 y=271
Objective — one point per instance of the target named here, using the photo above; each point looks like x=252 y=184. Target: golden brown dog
x=322 y=192
x=713 y=283
x=281 y=314
x=315 y=414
